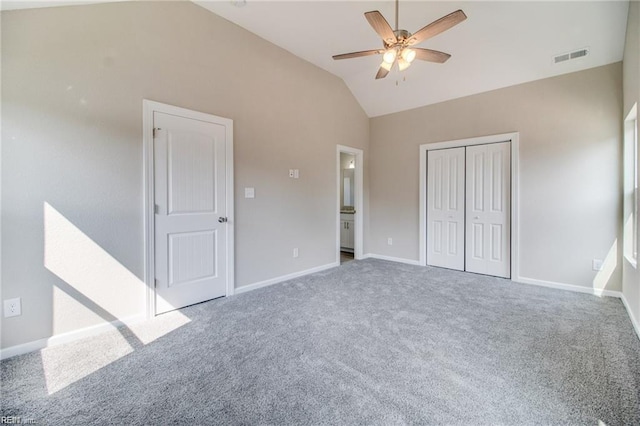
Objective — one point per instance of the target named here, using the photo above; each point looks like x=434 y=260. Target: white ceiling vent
x=571 y=55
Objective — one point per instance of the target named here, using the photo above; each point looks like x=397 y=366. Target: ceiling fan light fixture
x=403 y=64
x=389 y=56
x=408 y=54
x=386 y=65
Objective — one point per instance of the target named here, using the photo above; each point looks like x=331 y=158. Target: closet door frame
x=515 y=205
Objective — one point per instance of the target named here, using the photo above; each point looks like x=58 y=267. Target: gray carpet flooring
x=370 y=342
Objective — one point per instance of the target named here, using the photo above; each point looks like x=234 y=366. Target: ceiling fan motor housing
x=402 y=37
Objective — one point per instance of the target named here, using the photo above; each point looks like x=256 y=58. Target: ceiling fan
x=398 y=44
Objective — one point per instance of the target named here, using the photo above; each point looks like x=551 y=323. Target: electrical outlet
x=390 y=241
x=597 y=264
x=295 y=252
x=12 y=307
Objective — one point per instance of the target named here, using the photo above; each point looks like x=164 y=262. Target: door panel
x=191 y=162
x=488 y=209
x=191 y=257
x=445 y=208
x=452 y=244
x=477 y=236
x=189 y=180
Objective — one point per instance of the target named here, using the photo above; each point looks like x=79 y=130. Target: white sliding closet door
x=488 y=189
x=445 y=208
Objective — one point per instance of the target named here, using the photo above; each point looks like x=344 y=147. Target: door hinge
x=155 y=282
x=156 y=208
x=154 y=131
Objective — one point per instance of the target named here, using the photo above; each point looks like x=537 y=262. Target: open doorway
x=349 y=206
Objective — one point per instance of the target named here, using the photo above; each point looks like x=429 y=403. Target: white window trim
x=631 y=182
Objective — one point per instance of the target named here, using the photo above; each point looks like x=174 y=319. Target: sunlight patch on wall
x=608 y=268
x=95 y=287
x=96 y=280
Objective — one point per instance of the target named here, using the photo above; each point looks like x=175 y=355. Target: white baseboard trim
x=70 y=336
x=634 y=320
x=391 y=259
x=569 y=287
x=276 y=280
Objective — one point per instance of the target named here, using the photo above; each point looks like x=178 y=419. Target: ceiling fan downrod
x=397 y=8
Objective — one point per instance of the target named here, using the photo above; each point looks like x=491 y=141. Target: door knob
x=476 y=217
x=222 y=219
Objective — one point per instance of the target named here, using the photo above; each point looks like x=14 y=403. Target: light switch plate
x=249 y=193
x=296 y=173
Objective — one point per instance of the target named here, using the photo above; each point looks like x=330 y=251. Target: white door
x=190 y=197
x=445 y=208
x=488 y=231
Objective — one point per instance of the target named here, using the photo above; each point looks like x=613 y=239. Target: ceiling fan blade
x=357 y=54
x=431 y=55
x=382 y=72
x=436 y=27
x=381 y=26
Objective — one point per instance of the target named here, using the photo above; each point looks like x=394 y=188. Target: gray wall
x=570 y=159
x=73 y=81
x=631 y=89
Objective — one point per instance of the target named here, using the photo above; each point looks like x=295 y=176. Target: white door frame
x=515 y=205
x=359 y=204
x=148 y=108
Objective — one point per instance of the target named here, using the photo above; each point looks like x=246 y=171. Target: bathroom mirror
x=347 y=188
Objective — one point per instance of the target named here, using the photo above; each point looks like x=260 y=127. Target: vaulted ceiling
x=501 y=43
